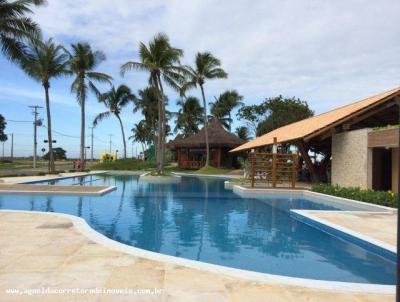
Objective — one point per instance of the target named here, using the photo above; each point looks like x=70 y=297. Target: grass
x=126 y=164
x=19 y=164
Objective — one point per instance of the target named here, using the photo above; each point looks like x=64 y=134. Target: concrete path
x=41 y=251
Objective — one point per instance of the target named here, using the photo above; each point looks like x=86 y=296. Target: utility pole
x=91 y=149
x=110 y=142
x=35 y=124
x=12 y=146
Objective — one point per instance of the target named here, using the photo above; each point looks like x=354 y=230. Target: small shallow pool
x=198 y=219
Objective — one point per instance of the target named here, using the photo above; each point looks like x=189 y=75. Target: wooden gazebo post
x=274 y=158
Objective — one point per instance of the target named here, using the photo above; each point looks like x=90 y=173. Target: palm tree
x=243 y=133
x=16 y=27
x=140 y=133
x=223 y=106
x=162 y=61
x=115 y=100
x=206 y=67
x=43 y=61
x=189 y=116
x=147 y=103
x=83 y=60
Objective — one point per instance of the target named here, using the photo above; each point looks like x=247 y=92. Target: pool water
x=198 y=219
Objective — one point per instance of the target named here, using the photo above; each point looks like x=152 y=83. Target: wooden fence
x=272 y=168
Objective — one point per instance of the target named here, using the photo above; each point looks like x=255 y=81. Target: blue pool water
x=198 y=219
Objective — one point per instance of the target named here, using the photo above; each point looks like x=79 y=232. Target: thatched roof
x=310 y=127
x=217 y=137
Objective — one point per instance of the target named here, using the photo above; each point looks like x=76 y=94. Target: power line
x=15 y=121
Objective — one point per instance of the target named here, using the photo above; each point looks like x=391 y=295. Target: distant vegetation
x=126 y=164
x=383 y=198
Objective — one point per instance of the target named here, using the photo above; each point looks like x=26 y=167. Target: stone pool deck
x=39 y=250
x=379 y=226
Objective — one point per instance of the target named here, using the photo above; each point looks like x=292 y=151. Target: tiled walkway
x=40 y=251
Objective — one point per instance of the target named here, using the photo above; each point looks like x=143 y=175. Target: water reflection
x=198 y=219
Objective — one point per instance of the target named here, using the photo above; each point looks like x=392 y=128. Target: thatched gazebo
x=191 y=151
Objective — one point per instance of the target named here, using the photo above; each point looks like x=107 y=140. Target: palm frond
x=100 y=117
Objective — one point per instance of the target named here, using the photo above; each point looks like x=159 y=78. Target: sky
x=328 y=53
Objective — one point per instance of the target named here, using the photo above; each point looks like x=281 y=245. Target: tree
x=147 y=103
x=243 y=133
x=162 y=61
x=16 y=27
x=206 y=67
x=83 y=62
x=274 y=113
x=3 y=136
x=140 y=133
x=44 y=61
x=223 y=106
x=115 y=100
x=58 y=154
x=189 y=116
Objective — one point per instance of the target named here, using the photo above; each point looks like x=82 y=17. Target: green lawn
x=19 y=164
x=126 y=164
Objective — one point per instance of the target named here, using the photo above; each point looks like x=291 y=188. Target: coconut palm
x=162 y=61
x=189 y=116
x=147 y=103
x=223 y=106
x=140 y=133
x=16 y=27
x=115 y=100
x=207 y=67
x=243 y=133
x=44 y=61
x=83 y=62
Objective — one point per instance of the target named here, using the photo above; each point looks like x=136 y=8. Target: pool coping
x=347 y=287
x=370 y=244
x=206 y=175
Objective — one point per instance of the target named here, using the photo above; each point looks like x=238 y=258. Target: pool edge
x=347 y=287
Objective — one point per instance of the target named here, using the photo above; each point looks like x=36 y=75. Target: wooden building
x=191 y=151
x=360 y=149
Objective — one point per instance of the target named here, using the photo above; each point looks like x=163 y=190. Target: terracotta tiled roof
x=310 y=126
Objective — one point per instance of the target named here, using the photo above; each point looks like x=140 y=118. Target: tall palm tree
x=43 y=61
x=223 y=106
x=207 y=67
x=189 y=116
x=243 y=133
x=16 y=27
x=162 y=61
x=140 y=133
x=115 y=100
x=147 y=103
x=83 y=61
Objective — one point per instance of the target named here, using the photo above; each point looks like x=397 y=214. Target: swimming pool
x=200 y=220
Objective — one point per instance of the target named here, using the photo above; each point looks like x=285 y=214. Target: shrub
x=126 y=164
x=41 y=174
x=388 y=199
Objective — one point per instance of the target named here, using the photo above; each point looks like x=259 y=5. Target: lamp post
x=46 y=142
x=86 y=148
x=116 y=154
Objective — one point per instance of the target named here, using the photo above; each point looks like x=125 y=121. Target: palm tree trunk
x=123 y=133
x=205 y=126
x=49 y=136
x=82 y=147
x=162 y=148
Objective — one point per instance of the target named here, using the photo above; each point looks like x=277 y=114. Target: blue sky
x=328 y=53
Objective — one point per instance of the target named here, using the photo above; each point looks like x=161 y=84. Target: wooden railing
x=271 y=168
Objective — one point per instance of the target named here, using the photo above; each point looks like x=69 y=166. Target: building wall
x=395 y=171
x=351 y=159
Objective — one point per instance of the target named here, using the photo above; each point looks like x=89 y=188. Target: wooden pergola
x=191 y=150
